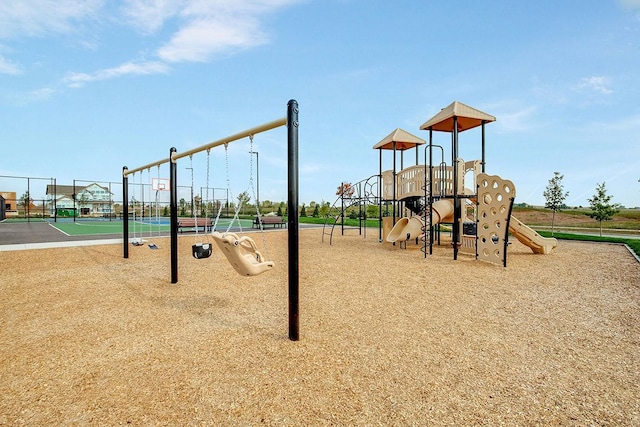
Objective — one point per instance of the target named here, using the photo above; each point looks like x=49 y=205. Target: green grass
x=634 y=244
x=370 y=223
x=624 y=219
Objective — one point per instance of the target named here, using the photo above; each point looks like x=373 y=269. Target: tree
x=601 y=206
x=316 y=212
x=303 y=212
x=345 y=190
x=84 y=200
x=324 y=208
x=243 y=199
x=555 y=196
x=372 y=211
x=25 y=200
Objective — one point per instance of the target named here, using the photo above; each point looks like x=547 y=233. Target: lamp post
x=191 y=169
x=257 y=179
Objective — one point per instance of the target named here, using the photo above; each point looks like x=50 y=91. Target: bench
x=205 y=223
x=269 y=220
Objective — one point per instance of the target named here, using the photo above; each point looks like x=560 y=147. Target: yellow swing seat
x=242 y=253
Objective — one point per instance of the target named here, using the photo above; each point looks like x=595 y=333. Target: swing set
x=241 y=251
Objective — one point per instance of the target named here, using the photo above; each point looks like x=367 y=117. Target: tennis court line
x=57 y=229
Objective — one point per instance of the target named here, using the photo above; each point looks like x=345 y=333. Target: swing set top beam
x=240 y=135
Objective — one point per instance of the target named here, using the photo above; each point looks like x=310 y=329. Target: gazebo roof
x=403 y=141
x=468 y=118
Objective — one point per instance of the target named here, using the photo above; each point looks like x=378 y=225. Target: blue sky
x=87 y=87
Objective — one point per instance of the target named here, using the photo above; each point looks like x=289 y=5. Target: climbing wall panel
x=495 y=197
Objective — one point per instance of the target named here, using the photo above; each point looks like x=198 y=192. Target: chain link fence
x=27 y=199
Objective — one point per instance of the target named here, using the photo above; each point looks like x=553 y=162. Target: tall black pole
x=125 y=212
x=483 y=123
x=27 y=202
x=173 y=208
x=380 y=196
x=293 y=237
x=393 y=211
x=456 y=201
x=55 y=199
x=74 y=201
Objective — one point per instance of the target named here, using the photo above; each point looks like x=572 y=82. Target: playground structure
x=475 y=205
x=241 y=252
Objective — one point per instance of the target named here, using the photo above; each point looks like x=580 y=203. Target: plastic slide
x=411 y=228
x=529 y=237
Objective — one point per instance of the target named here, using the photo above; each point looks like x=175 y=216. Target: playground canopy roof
x=403 y=141
x=468 y=118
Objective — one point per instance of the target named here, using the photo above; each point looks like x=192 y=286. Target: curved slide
x=527 y=236
x=411 y=228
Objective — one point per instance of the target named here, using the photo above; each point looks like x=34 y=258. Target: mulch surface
x=386 y=337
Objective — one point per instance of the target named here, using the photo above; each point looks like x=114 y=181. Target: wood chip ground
x=387 y=337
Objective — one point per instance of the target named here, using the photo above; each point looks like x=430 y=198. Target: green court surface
x=85 y=228
x=21 y=220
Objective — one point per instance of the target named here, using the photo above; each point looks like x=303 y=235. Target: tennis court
x=36 y=232
x=146 y=227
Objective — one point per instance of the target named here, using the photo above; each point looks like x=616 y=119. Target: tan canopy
x=403 y=139
x=468 y=118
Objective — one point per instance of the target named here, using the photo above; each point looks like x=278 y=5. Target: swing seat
x=242 y=254
x=201 y=250
x=137 y=241
x=153 y=246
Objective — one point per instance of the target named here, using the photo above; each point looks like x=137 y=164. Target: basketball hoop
x=160 y=184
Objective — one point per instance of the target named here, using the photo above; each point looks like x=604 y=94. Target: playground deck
x=387 y=337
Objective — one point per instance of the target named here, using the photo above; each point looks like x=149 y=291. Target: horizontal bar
x=258 y=129
x=127 y=172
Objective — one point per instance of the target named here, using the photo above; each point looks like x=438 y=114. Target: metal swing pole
x=293 y=234
x=173 y=209
x=125 y=212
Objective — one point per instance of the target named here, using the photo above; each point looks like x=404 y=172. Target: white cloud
x=203 y=27
x=150 y=15
x=595 y=84
x=212 y=27
x=202 y=38
x=40 y=17
x=630 y=4
x=8 y=67
x=130 y=68
x=41 y=94
x=199 y=28
x=516 y=121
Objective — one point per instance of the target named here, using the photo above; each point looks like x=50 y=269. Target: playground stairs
x=426 y=231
